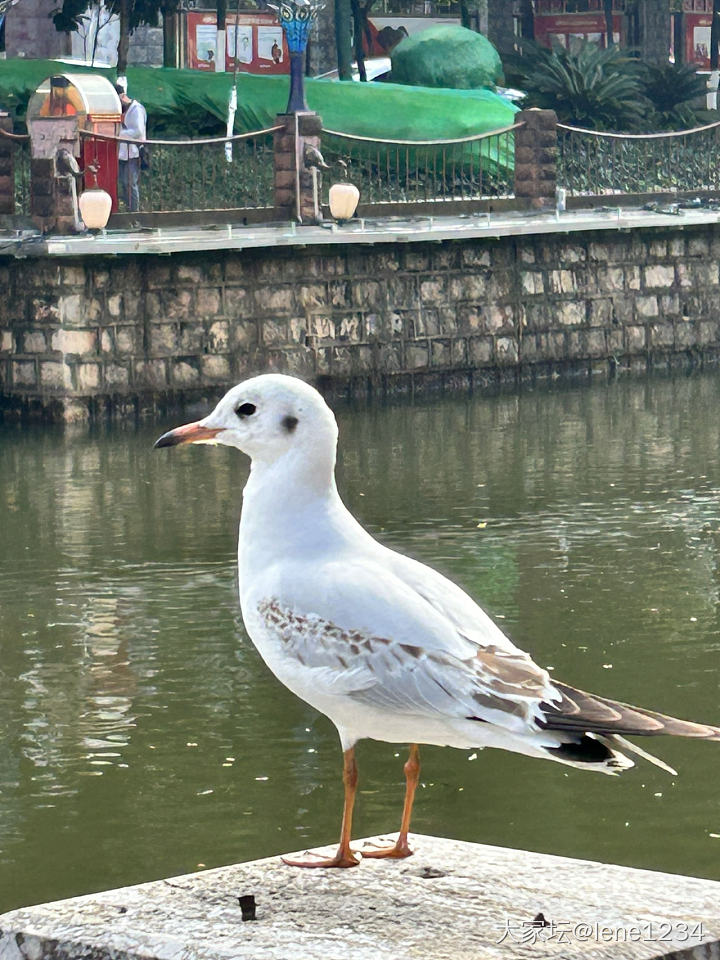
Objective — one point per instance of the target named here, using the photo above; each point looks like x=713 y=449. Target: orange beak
x=190 y=433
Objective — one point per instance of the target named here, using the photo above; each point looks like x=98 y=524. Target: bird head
x=265 y=417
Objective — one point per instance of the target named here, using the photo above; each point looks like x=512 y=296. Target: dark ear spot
x=289 y=423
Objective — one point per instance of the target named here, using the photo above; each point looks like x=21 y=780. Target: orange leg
x=344 y=856
x=412 y=775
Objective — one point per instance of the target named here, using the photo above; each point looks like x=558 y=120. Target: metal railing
x=592 y=163
x=201 y=175
x=420 y=171
x=20 y=148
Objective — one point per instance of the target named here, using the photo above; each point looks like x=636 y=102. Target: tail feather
x=580 y=712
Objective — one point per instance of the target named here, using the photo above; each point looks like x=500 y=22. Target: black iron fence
x=594 y=163
x=416 y=172
x=218 y=173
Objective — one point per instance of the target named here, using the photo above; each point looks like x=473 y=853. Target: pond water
x=141 y=735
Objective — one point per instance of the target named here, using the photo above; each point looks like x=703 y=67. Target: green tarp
x=382 y=110
x=446 y=55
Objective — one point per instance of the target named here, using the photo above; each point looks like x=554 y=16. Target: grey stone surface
x=451 y=901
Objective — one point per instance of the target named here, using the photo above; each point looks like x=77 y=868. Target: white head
x=268 y=417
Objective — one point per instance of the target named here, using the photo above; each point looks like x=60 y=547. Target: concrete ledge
x=451 y=901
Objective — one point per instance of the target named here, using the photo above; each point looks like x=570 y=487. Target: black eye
x=245 y=409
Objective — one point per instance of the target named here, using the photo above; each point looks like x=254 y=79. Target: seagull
x=386 y=647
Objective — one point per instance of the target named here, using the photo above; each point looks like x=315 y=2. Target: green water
x=141 y=735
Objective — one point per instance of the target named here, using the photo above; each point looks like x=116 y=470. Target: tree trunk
x=654 y=30
x=124 y=40
x=465 y=14
x=715 y=35
x=169 y=46
x=608 y=9
x=501 y=26
x=358 y=34
x=343 y=18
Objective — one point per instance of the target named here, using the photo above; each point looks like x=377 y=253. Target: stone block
x=244 y=334
x=685 y=333
x=215 y=368
x=312 y=295
x=633 y=277
x=669 y=304
x=237 y=301
x=599 y=251
x=178 y=305
x=658 y=275
x=600 y=312
x=219 y=336
x=208 y=302
x=572 y=253
x=24 y=373
x=705 y=274
x=615 y=341
x=72 y=275
x=185 y=374
x=107 y=341
x=532 y=283
x=506 y=351
x=698 y=247
x=127 y=340
x=593 y=343
x=417 y=355
x=562 y=281
x=339 y=293
x=369 y=294
x=635 y=339
x=191 y=338
x=708 y=333
x=116 y=376
x=683 y=275
x=571 y=313
x=433 y=290
x=55 y=376
x=187 y=273
x=163 y=339
x=87 y=377
x=151 y=373
x=275 y=300
x=114 y=305
x=646 y=306
x=480 y=351
x=418 y=259
x=275 y=332
x=70 y=308
x=6 y=341
x=662 y=335
x=657 y=248
x=348 y=327
x=74 y=341
x=676 y=247
x=33 y=342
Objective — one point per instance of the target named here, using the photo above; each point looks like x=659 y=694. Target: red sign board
x=697 y=39
x=256 y=40
x=562 y=28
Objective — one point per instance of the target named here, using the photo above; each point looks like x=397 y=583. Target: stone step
x=450 y=901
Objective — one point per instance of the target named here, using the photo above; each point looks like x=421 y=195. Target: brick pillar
x=289 y=165
x=51 y=203
x=535 y=157
x=7 y=167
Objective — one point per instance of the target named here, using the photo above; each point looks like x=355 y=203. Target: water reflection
x=142 y=735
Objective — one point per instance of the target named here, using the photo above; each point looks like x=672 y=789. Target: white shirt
x=134 y=127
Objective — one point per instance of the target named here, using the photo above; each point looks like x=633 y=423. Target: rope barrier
x=424 y=143
x=638 y=136
x=181 y=143
x=14 y=136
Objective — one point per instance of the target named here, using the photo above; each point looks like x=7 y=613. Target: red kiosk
x=67 y=103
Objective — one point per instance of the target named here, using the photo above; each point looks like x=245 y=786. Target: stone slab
x=451 y=901
x=361 y=231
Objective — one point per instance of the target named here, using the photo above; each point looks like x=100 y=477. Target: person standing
x=134 y=127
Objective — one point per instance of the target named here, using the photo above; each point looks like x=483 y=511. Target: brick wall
x=77 y=335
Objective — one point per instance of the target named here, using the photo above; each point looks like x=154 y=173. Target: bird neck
x=290 y=504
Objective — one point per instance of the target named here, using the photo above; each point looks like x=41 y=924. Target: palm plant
x=674 y=90
x=585 y=85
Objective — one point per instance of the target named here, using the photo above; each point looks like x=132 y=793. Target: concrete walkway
x=363 y=231
x=451 y=901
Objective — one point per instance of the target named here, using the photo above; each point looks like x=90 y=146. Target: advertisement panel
x=255 y=39
x=565 y=28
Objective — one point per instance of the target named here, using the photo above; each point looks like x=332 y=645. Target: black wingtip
x=169 y=439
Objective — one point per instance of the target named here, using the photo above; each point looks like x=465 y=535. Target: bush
x=586 y=86
x=677 y=95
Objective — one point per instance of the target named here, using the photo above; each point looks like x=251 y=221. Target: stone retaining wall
x=79 y=336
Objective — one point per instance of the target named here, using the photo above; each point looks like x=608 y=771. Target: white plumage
x=383 y=645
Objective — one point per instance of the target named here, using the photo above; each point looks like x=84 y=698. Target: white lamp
x=95 y=204
x=343 y=200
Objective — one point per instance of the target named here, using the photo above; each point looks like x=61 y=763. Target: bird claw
x=341 y=859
